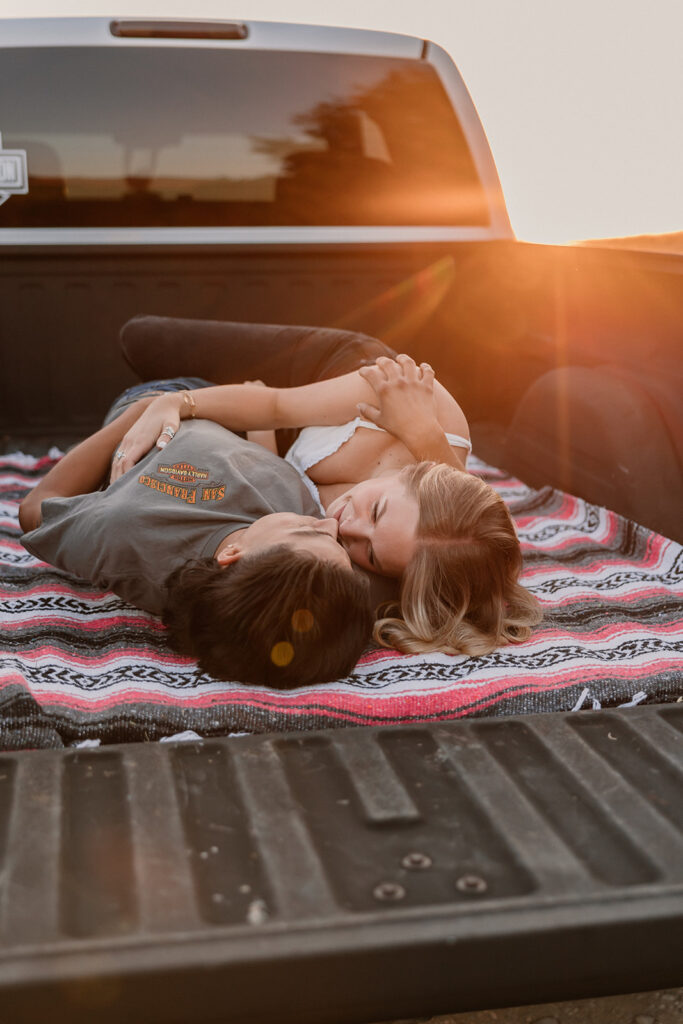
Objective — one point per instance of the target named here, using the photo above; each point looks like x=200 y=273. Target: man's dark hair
x=281 y=618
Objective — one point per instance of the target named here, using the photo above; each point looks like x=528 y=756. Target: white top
x=315 y=443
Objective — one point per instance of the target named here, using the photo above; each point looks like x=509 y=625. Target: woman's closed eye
x=376 y=512
x=375 y=515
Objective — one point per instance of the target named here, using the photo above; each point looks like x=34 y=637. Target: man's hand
x=158 y=424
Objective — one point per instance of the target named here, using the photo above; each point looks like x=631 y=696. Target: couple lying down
x=252 y=560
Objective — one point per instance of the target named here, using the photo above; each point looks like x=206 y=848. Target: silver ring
x=170 y=431
x=120 y=453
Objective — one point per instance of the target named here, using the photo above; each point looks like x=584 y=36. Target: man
x=259 y=590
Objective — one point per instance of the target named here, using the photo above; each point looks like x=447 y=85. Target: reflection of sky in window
x=169 y=111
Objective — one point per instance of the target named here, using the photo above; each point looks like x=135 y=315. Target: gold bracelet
x=187 y=397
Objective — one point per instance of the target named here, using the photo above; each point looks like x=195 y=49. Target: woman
x=386 y=453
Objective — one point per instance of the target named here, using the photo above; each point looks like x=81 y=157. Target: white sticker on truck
x=13 y=172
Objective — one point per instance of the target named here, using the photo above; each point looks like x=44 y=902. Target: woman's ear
x=227 y=555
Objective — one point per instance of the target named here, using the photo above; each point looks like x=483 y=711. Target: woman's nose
x=353 y=529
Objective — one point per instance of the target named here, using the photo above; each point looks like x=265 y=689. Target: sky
x=581 y=99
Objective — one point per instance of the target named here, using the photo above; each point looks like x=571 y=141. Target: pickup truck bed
x=245 y=878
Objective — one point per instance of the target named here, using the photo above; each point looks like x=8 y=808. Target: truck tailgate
x=347 y=875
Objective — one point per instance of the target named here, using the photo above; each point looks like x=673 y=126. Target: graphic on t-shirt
x=191 y=495
x=183 y=472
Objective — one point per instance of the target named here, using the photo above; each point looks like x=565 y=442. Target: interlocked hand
x=405 y=395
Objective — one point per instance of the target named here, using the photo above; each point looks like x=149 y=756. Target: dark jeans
x=152 y=387
x=226 y=352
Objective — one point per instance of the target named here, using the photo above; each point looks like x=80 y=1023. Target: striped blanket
x=78 y=664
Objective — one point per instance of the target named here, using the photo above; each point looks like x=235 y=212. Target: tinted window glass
x=158 y=137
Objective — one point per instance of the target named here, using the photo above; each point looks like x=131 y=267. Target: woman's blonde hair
x=460 y=592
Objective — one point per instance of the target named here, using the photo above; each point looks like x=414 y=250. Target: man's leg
x=228 y=352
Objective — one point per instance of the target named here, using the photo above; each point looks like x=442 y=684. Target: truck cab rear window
x=181 y=137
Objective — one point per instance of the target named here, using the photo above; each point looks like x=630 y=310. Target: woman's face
x=378 y=524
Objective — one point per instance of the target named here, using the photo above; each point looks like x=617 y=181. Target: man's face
x=300 y=533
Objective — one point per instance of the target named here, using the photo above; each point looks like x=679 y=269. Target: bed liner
x=344 y=875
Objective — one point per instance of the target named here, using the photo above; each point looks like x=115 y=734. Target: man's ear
x=226 y=556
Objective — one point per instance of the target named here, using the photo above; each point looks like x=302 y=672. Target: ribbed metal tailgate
x=348 y=875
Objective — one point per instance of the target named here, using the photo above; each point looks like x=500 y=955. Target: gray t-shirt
x=173 y=506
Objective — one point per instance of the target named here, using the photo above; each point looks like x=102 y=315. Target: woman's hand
x=405 y=393
x=157 y=425
x=408 y=408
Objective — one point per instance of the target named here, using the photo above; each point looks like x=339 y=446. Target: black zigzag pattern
x=517 y=664
x=137 y=674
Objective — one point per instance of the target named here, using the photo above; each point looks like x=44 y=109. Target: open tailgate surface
x=347 y=875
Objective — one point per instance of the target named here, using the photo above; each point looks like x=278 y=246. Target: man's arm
x=82 y=469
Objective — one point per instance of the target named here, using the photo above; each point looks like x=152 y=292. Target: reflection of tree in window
x=381 y=145
x=391 y=154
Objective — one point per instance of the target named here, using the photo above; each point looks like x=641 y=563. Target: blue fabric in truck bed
x=77 y=663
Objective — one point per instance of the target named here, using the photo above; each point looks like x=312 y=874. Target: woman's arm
x=266 y=438
x=82 y=469
x=252 y=407
x=244 y=407
x=323 y=403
